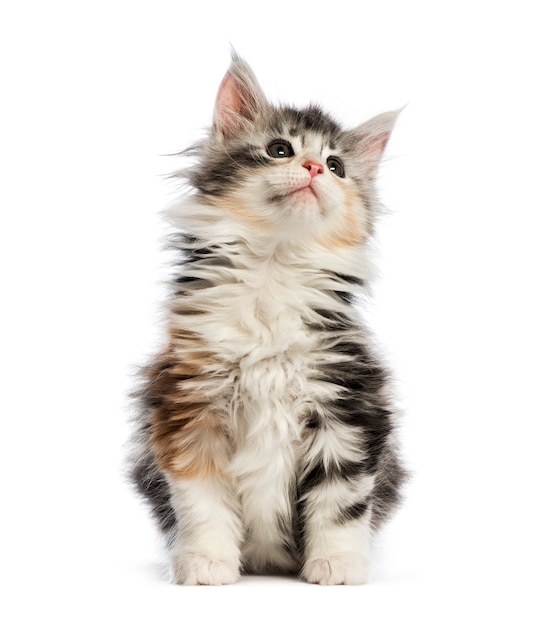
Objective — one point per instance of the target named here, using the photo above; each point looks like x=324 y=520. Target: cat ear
x=372 y=137
x=239 y=99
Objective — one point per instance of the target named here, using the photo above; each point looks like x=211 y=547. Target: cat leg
x=192 y=449
x=335 y=509
x=205 y=549
x=337 y=532
x=192 y=446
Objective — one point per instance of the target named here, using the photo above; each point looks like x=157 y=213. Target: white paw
x=201 y=570
x=336 y=570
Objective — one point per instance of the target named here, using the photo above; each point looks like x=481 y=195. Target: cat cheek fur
x=265 y=440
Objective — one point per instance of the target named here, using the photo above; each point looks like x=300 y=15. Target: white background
x=92 y=94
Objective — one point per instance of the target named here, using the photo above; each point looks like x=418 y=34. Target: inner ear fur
x=239 y=99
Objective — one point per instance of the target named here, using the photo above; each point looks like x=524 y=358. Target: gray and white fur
x=266 y=435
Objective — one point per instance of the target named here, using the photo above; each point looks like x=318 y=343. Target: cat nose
x=313 y=167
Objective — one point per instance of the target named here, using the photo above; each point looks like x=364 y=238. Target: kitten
x=266 y=437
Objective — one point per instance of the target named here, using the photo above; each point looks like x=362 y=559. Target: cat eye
x=280 y=149
x=335 y=166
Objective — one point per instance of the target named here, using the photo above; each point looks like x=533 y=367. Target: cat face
x=305 y=178
x=289 y=173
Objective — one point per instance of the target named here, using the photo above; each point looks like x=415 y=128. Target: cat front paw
x=201 y=570
x=336 y=570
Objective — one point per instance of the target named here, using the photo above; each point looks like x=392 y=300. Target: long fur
x=265 y=440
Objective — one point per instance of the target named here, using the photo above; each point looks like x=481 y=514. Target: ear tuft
x=239 y=98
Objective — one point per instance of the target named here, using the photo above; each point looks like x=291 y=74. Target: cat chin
x=307 y=198
x=300 y=213
x=304 y=199
x=305 y=194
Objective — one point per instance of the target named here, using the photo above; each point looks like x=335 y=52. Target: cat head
x=286 y=172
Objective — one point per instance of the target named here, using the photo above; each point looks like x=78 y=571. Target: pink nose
x=313 y=167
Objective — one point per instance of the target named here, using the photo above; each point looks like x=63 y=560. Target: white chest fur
x=256 y=324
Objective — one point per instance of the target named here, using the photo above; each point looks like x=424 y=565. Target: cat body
x=266 y=437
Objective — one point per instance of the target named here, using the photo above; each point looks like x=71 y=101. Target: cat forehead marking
x=306 y=123
x=312 y=142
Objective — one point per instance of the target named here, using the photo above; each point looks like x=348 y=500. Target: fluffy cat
x=265 y=441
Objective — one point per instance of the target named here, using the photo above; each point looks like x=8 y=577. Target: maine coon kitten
x=265 y=442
